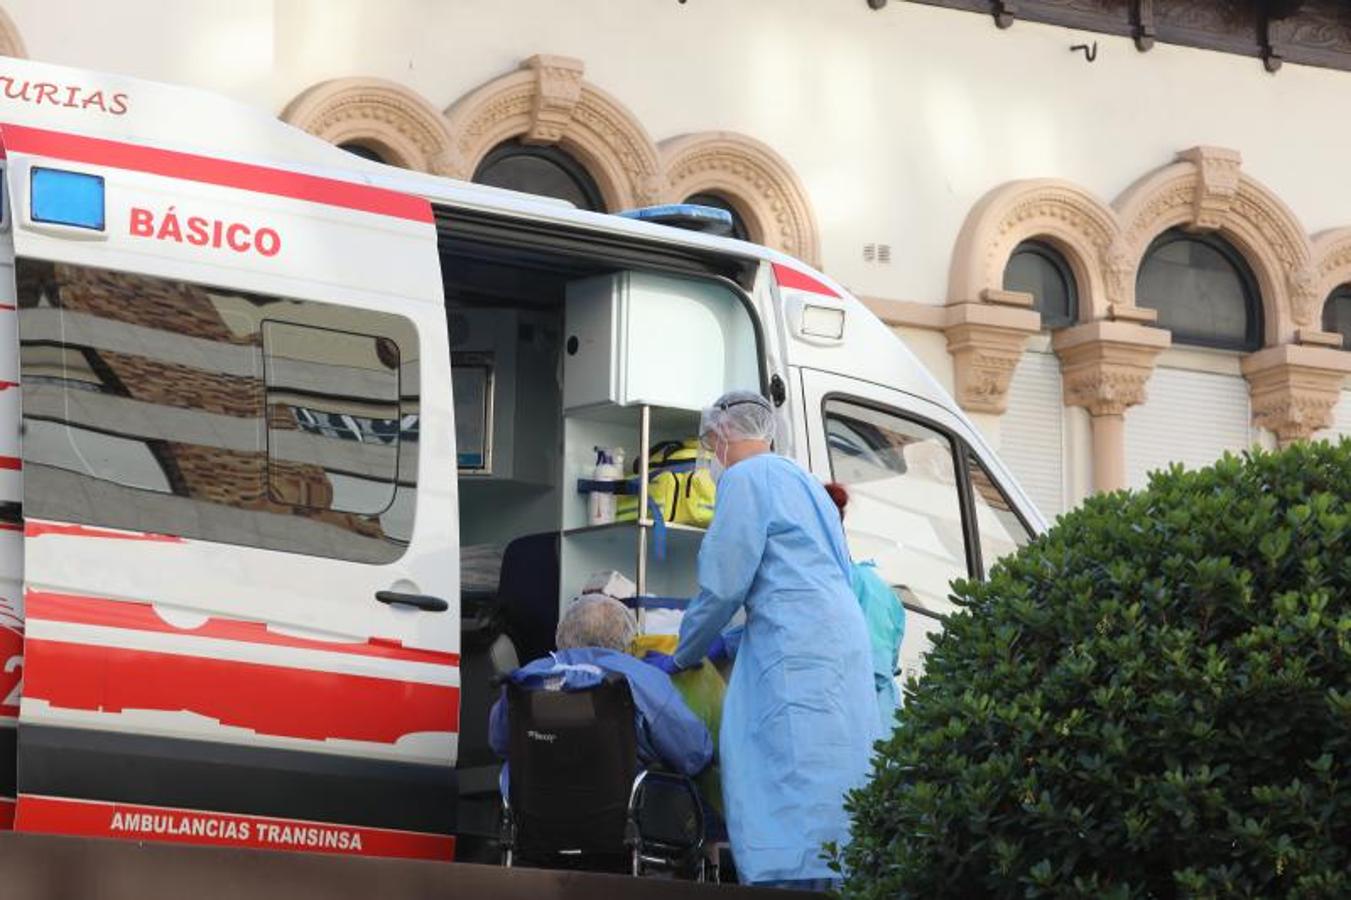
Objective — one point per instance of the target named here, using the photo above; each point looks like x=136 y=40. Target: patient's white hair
x=595 y=620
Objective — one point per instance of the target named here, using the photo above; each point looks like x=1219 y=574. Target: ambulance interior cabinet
x=661 y=340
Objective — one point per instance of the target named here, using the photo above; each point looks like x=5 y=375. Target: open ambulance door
x=240 y=576
x=924 y=504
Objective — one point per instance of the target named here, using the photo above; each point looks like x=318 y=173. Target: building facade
x=1118 y=231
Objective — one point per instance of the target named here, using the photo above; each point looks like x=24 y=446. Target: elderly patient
x=595 y=633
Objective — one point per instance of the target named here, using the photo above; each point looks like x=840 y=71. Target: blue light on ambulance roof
x=58 y=197
x=691 y=216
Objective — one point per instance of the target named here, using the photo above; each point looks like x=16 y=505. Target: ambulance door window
x=332 y=403
x=998 y=526
x=177 y=408
x=905 y=507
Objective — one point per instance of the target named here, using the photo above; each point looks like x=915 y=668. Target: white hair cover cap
x=739 y=416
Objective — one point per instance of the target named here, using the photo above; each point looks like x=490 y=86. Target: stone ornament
x=753 y=178
x=986 y=341
x=548 y=101
x=1105 y=365
x=1295 y=387
x=11 y=44
x=382 y=115
x=1204 y=189
x=1108 y=357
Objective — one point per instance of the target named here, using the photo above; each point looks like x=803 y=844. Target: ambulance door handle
x=421 y=601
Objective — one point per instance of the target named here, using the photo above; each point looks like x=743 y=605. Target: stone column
x=986 y=341
x=1294 y=388
x=1104 y=366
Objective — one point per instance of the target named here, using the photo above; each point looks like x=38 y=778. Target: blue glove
x=664 y=661
x=718 y=650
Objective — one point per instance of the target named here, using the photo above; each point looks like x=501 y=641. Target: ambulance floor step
x=41 y=867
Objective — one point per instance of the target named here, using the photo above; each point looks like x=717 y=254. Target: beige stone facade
x=871 y=143
x=548 y=100
x=1295 y=381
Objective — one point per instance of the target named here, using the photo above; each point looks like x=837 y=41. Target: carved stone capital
x=986 y=341
x=1105 y=365
x=1218 y=169
x=1294 y=388
x=558 y=90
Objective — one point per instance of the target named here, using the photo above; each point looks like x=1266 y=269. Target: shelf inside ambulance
x=677 y=527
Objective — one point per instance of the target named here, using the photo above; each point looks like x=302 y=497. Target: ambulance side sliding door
x=240 y=572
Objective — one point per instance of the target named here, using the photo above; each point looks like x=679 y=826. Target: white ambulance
x=288 y=437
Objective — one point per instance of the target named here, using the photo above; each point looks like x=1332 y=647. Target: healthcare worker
x=800 y=716
x=885 y=617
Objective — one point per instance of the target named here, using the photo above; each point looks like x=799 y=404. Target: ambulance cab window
x=905 y=508
x=1001 y=530
x=175 y=408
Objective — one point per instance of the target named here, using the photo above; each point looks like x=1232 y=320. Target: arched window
x=1337 y=314
x=1037 y=268
x=364 y=151
x=717 y=201
x=547 y=171
x=1203 y=290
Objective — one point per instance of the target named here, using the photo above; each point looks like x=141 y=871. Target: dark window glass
x=905 y=507
x=162 y=406
x=364 y=152
x=1038 y=269
x=739 y=230
x=1337 y=314
x=1203 y=290
x=547 y=171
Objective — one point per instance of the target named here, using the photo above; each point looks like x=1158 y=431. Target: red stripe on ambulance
x=788 y=277
x=6 y=813
x=88 y=818
x=34 y=528
x=142 y=617
x=222 y=172
x=271 y=700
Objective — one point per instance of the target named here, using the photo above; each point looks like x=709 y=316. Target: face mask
x=716 y=468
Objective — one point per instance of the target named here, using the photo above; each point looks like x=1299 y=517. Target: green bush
x=1151 y=700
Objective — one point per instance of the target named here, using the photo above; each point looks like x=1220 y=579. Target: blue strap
x=623 y=486
x=649 y=602
x=658 y=529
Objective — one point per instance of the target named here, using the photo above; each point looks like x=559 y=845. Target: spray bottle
x=601 y=508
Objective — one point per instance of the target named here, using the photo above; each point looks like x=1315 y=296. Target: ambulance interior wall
x=520 y=495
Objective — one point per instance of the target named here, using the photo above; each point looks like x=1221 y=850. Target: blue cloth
x=668 y=733
x=800 y=716
x=663 y=661
x=885 y=618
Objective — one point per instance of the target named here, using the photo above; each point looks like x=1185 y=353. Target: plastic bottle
x=602 y=503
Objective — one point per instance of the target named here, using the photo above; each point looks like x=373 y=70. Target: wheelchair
x=577 y=798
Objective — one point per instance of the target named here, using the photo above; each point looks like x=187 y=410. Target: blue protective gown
x=800 y=715
x=885 y=617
